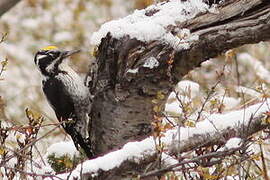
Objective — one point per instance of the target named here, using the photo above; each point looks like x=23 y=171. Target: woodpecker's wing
x=60 y=101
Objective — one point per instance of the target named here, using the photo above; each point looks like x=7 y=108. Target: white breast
x=73 y=83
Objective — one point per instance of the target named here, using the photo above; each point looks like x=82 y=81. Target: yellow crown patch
x=49 y=48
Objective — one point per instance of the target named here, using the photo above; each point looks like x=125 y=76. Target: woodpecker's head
x=48 y=60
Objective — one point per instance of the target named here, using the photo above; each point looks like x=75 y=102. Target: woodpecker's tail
x=79 y=140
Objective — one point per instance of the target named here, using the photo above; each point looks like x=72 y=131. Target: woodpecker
x=67 y=94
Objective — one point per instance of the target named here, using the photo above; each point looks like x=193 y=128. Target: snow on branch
x=152 y=23
x=187 y=32
x=218 y=129
x=177 y=23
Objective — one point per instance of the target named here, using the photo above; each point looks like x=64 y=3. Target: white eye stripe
x=41 y=56
x=52 y=54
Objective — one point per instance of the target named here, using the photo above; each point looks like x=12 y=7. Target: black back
x=60 y=101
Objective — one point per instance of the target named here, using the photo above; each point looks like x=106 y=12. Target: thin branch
x=265 y=172
x=209 y=94
x=32 y=173
x=218 y=154
x=6 y=5
x=4 y=36
x=40 y=155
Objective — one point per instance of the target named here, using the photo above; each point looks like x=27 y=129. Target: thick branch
x=5 y=5
x=219 y=137
x=223 y=32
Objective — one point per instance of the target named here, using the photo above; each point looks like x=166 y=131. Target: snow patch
x=63 y=148
x=214 y=9
x=131 y=151
x=185 y=91
x=188 y=86
x=133 y=71
x=256 y=65
x=229 y=102
x=249 y=91
x=233 y=143
x=174 y=108
x=168 y=160
x=151 y=63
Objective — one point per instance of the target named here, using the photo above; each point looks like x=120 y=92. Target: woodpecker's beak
x=69 y=53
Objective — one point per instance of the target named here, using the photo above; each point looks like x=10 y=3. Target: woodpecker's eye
x=46 y=57
x=53 y=54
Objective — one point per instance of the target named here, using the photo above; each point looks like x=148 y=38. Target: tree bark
x=122 y=107
x=6 y=5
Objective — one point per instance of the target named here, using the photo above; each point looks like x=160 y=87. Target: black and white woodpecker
x=67 y=94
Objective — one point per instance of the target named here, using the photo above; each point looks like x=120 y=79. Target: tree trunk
x=123 y=109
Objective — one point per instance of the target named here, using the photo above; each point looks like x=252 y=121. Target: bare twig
x=24 y=156
x=3 y=66
x=265 y=172
x=207 y=99
x=198 y=159
x=30 y=144
x=4 y=36
x=32 y=173
x=237 y=70
x=39 y=154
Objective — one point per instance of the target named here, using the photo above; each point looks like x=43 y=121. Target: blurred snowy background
x=34 y=24
x=239 y=77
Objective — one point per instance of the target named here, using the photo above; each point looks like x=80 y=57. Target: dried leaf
x=190 y=123
x=157 y=109
x=160 y=95
x=256 y=157
x=4 y=62
x=2 y=151
x=155 y=101
x=168 y=126
x=230 y=54
x=170 y=61
x=31 y=114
